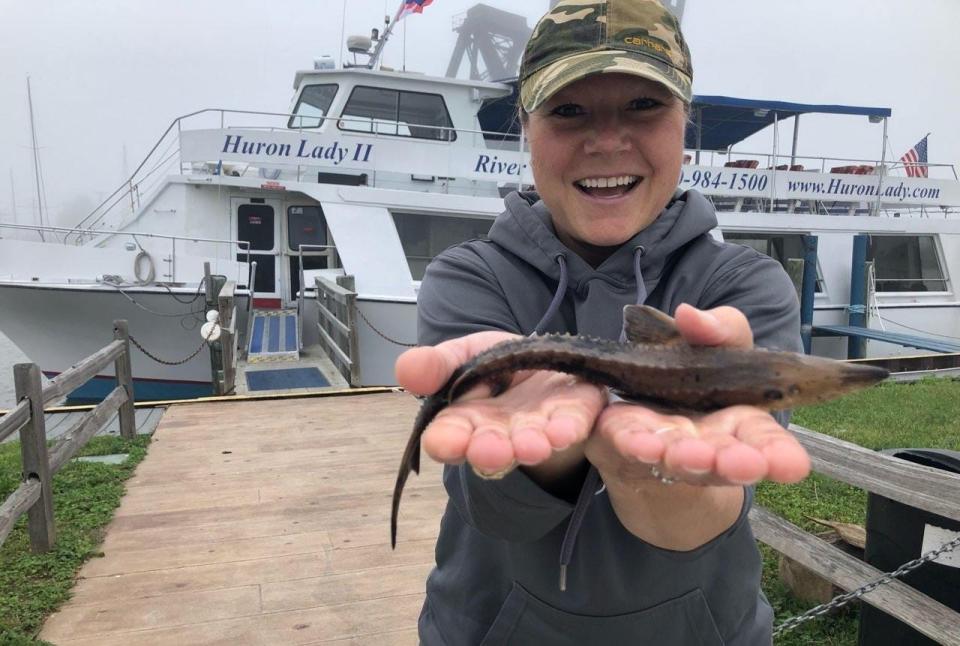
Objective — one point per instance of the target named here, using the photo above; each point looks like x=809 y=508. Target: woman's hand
x=637 y=445
x=540 y=422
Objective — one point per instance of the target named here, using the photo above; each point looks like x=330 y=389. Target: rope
x=151 y=268
x=384 y=336
x=117 y=283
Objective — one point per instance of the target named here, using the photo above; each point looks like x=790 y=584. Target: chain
x=843 y=599
x=382 y=335
x=168 y=363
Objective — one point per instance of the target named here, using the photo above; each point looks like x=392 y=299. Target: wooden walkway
x=264 y=523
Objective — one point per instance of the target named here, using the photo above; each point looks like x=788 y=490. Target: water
x=9 y=355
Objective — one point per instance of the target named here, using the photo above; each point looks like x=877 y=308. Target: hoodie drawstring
x=557 y=297
x=589 y=488
x=576 y=521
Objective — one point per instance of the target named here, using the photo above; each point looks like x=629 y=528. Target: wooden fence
x=225 y=370
x=337 y=325
x=927 y=488
x=34 y=496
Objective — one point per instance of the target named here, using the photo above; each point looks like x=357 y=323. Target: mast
x=13 y=198
x=375 y=57
x=36 y=160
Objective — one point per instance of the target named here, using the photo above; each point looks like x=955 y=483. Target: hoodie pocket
x=523 y=619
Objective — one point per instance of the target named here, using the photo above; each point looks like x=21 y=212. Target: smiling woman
x=575 y=518
x=606 y=153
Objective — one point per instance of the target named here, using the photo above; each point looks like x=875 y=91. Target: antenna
x=36 y=160
x=13 y=198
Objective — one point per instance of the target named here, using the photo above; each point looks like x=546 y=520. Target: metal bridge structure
x=492 y=40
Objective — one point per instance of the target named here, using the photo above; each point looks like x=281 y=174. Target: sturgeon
x=655 y=366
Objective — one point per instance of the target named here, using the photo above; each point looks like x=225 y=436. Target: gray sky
x=112 y=74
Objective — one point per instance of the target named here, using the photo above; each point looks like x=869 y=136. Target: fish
x=654 y=366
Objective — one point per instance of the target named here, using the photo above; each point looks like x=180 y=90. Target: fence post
x=36 y=463
x=128 y=422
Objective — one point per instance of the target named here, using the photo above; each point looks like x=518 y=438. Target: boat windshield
x=398 y=112
x=313 y=106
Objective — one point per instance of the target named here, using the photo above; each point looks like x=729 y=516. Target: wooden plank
x=16 y=505
x=335 y=291
x=895 y=598
x=12 y=421
x=69 y=380
x=77 y=437
x=33 y=450
x=332 y=319
x=331 y=345
x=933 y=490
x=128 y=424
x=212 y=512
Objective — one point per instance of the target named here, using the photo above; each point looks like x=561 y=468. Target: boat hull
x=58 y=326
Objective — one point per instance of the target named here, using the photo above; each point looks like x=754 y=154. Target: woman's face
x=606 y=154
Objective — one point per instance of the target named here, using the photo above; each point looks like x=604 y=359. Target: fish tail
x=411 y=457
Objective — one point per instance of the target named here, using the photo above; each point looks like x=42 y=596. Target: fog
x=108 y=77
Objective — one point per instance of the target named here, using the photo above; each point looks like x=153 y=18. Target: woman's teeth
x=608 y=187
x=607 y=182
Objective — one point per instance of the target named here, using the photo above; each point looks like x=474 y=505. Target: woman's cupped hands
x=548 y=421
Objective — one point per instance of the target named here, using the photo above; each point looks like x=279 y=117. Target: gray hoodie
x=499 y=550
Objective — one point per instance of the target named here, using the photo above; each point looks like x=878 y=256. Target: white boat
x=374 y=172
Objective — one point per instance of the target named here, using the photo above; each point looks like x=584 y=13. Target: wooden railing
x=225 y=377
x=35 y=494
x=337 y=325
x=926 y=488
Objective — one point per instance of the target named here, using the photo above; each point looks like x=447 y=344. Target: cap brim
x=544 y=83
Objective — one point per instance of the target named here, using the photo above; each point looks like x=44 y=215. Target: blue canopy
x=725 y=120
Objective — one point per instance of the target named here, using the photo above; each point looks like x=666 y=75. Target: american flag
x=412 y=6
x=915 y=159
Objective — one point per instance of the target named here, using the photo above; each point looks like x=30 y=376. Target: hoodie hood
x=525 y=229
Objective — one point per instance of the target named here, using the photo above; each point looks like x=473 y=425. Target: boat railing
x=145 y=261
x=165 y=155
x=813 y=164
x=438 y=175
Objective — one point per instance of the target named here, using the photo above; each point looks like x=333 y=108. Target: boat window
x=906 y=263
x=392 y=112
x=306 y=226
x=313 y=105
x=425 y=236
x=780 y=247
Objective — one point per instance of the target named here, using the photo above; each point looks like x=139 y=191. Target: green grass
x=924 y=414
x=32 y=586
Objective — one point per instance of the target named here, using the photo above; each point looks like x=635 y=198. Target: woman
x=605 y=522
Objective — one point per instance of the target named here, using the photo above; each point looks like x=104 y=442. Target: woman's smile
x=608 y=188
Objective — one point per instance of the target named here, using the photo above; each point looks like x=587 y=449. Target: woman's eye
x=644 y=104
x=567 y=110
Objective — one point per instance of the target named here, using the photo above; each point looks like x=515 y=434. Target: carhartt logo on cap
x=578 y=38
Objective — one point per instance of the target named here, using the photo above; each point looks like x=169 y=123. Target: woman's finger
x=424 y=370
x=720 y=326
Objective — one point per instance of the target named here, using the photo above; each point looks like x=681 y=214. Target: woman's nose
x=605 y=136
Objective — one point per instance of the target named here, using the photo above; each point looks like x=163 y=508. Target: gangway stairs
x=274 y=336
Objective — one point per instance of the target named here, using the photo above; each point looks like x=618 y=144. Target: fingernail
x=696 y=472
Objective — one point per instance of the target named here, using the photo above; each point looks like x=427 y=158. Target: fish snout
x=856 y=375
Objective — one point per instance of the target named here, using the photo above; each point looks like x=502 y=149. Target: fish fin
x=646 y=325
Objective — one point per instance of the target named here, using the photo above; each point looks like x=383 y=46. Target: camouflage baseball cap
x=578 y=38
